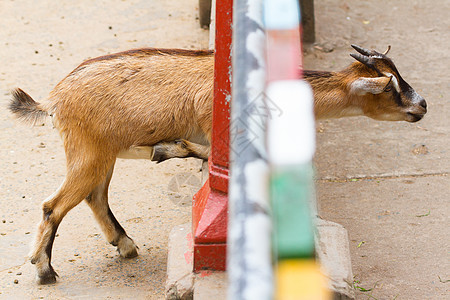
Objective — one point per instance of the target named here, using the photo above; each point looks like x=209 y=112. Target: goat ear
x=368 y=85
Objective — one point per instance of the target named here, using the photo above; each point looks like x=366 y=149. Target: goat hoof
x=159 y=154
x=129 y=254
x=127 y=248
x=46 y=277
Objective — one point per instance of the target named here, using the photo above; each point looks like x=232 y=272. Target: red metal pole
x=209 y=212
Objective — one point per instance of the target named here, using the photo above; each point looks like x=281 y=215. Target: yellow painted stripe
x=300 y=279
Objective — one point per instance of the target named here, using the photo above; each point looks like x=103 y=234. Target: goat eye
x=388 y=88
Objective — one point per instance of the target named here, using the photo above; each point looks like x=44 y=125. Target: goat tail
x=25 y=108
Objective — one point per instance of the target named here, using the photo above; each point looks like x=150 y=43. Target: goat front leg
x=113 y=231
x=179 y=149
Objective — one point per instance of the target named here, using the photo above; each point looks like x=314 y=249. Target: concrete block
x=210 y=285
x=180 y=278
x=182 y=283
x=333 y=252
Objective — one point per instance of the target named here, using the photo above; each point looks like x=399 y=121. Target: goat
x=371 y=87
x=157 y=104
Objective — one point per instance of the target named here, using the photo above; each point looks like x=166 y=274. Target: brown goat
x=121 y=105
x=371 y=87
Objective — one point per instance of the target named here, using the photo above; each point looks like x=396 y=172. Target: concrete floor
x=388 y=183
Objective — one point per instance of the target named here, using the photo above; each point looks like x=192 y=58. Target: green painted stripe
x=291 y=195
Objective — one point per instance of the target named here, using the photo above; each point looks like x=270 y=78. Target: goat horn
x=362 y=59
x=363 y=51
x=386 y=52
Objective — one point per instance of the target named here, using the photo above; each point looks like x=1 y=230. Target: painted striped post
x=249 y=261
x=284 y=113
x=291 y=146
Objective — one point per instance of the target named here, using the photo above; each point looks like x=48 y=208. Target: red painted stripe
x=284 y=56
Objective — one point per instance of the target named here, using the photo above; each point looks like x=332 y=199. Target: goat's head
x=386 y=95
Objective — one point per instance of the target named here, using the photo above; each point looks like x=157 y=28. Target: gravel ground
x=39 y=45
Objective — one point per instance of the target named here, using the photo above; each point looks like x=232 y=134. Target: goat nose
x=423 y=103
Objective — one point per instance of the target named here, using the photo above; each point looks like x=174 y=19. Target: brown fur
x=152 y=97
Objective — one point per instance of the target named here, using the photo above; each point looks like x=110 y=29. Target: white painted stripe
x=281 y=14
x=291 y=136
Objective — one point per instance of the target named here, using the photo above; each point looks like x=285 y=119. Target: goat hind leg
x=113 y=231
x=41 y=252
x=78 y=183
x=54 y=209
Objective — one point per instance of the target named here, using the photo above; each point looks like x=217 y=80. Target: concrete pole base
x=332 y=250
